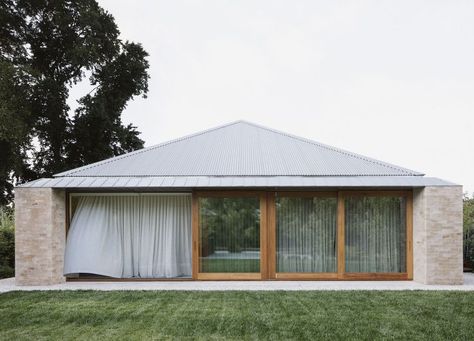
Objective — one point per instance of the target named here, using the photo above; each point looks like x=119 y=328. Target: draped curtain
x=145 y=236
x=306 y=234
x=375 y=234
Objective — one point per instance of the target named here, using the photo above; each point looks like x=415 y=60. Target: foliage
x=7 y=243
x=468 y=227
x=47 y=46
x=231 y=224
x=258 y=315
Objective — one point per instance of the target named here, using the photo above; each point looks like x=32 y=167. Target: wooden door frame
x=268 y=236
x=196 y=252
x=358 y=276
x=273 y=274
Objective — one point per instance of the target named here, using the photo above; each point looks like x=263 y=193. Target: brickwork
x=437 y=235
x=39 y=236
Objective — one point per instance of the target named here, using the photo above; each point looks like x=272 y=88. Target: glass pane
x=230 y=234
x=306 y=234
x=375 y=234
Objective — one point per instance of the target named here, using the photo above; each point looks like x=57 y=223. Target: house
x=239 y=202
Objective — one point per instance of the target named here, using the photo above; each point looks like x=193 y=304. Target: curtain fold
x=131 y=236
x=306 y=234
x=375 y=234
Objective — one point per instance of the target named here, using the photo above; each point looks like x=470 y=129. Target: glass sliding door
x=229 y=235
x=306 y=229
x=326 y=235
x=375 y=234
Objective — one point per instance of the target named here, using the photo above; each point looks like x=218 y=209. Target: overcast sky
x=393 y=80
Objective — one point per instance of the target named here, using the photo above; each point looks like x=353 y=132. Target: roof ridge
x=231 y=176
x=143 y=150
x=336 y=149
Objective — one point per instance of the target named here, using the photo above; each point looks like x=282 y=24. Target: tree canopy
x=46 y=47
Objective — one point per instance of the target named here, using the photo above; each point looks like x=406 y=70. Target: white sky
x=393 y=80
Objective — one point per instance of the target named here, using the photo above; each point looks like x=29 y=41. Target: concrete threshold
x=8 y=284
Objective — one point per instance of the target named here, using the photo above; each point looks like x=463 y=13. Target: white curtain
x=375 y=234
x=145 y=236
x=306 y=234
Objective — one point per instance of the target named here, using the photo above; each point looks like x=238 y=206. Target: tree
x=46 y=47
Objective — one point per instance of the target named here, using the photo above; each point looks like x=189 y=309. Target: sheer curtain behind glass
x=375 y=234
x=306 y=234
x=130 y=236
x=229 y=231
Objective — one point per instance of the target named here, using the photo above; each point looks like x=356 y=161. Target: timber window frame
x=408 y=274
x=268 y=234
x=196 y=252
x=268 y=247
x=274 y=274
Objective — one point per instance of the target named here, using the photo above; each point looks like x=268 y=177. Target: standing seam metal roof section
x=236 y=182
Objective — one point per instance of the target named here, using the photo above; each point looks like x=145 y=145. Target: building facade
x=239 y=202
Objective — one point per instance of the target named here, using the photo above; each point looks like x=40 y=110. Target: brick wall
x=437 y=235
x=39 y=236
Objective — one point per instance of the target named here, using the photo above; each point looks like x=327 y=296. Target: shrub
x=7 y=243
x=469 y=231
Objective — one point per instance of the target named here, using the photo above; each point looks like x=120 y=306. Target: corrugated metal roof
x=239 y=149
x=236 y=182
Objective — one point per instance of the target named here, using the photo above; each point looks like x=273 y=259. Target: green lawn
x=237 y=315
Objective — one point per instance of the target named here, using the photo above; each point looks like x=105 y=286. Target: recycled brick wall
x=39 y=236
x=437 y=235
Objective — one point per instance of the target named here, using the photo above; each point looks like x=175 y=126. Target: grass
x=139 y=315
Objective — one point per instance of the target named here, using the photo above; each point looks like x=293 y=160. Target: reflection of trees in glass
x=306 y=234
x=229 y=224
x=375 y=234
